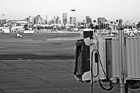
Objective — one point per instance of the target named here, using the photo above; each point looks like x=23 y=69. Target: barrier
x=118 y=59
x=133 y=57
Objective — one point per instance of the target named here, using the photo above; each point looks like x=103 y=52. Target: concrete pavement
x=43 y=76
x=39 y=76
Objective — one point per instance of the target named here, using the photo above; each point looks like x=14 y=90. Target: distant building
x=101 y=20
x=39 y=19
x=72 y=20
x=110 y=25
x=64 y=18
x=59 y=21
x=2 y=22
x=30 y=19
x=46 y=21
x=43 y=21
x=56 y=19
x=36 y=20
x=88 y=20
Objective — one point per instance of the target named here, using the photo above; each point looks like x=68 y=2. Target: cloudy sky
x=110 y=9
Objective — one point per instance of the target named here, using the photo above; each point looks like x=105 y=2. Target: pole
x=92 y=65
x=92 y=81
x=121 y=58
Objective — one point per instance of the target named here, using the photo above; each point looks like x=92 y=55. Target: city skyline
x=110 y=9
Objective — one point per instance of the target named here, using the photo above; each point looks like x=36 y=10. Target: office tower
x=34 y=20
x=56 y=19
x=101 y=20
x=46 y=20
x=59 y=21
x=31 y=19
x=64 y=18
x=39 y=19
x=72 y=20
x=88 y=20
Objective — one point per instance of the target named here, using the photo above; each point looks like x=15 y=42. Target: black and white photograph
x=69 y=46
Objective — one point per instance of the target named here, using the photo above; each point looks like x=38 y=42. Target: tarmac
x=39 y=76
x=43 y=76
x=46 y=74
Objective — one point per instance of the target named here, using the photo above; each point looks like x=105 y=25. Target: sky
x=110 y=9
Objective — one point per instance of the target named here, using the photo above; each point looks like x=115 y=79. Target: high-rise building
x=88 y=20
x=59 y=21
x=30 y=19
x=64 y=18
x=34 y=20
x=101 y=20
x=72 y=20
x=46 y=21
x=2 y=21
x=56 y=19
x=39 y=19
x=43 y=21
